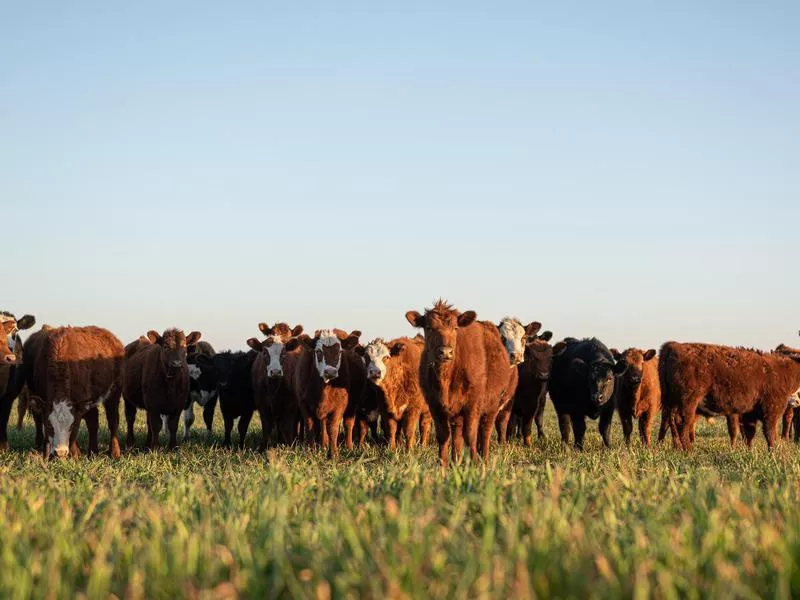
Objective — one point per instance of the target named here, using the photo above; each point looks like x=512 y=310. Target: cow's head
x=539 y=355
x=441 y=324
x=514 y=335
x=328 y=345
x=274 y=347
x=60 y=421
x=599 y=377
x=173 y=347
x=222 y=365
x=10 y=343
x=376 y=356
x=634 y=360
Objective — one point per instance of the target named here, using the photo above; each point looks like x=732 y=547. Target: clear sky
x=629 y=170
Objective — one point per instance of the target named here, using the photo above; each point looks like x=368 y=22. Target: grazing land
x=540 y=522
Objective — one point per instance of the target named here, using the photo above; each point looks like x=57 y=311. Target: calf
x=69 y=372
x=10 y=360
x=393 y=388
x=463 y=375
x=710 y=379
x=534 y=374
x=232 y=371
x=582 y=385
x=329 y=379
x=272 y=375
x=157 y=380
x=514 y=335
x=202 y=388
x=638 y=393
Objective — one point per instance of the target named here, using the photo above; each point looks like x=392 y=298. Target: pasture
x=541 y=522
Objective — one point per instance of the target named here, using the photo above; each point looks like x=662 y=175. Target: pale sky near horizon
x=629 y=170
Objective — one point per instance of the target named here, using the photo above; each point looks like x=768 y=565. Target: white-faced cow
x=202 y=388
x=514 y=335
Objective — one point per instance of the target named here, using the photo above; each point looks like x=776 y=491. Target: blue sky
x=629 y=170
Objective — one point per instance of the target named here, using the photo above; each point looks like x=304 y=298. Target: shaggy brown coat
x=638 y=393
x=81 y=366
x=722 y=380
x=156 y=379
x=464 y=373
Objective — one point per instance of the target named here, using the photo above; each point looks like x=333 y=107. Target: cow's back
x=137 y=355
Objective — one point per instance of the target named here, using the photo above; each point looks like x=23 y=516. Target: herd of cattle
x=467 y=377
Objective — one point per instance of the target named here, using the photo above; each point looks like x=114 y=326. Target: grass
x=540 y=522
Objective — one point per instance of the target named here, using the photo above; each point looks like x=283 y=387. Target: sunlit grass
x=541 y=522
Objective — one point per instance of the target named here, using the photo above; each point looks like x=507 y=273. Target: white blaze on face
x=374 y=355
x=327 y=339
x=61 y=420
x=194 y=372
x=274 y=351
x=513 y=334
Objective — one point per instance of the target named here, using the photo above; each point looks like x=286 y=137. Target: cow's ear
x=396 y=349
x=26 y=322
x=355 y=333
x=578 y=367
x=615 y=353
x=264 y=328
x=559 y=348
x=360 y=350
x=650 y=354
x=154 y=337
x=204 y=361
x=350 y=342
x=297 y=330
x=292 y=344
x=546 y=336
x=416 y=319
x=193 y=338
x=533 y=328
x=620 y=367
x=466 y=318
x=254 y=344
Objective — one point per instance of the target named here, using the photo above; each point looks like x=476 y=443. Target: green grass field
x=539 y=522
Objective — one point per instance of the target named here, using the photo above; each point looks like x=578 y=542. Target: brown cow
x=157 y=380
x=69 y=372
x=514 y=336
x=393 y=382
x=705 y=378
x=638 y=393
x=534 y=374
x=272 y=376
x=463 y=374
x=10 y=359
x=328 y=380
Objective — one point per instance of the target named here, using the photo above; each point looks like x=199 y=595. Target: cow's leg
x=324 y=438
x=770 y=427
x=22 y=408
x=363 y=431
x=410 y=424
x=687 y=422
x=425 y=429
x=266 y=426
x=92 y=420
x=349 y=424
x=501 y=424
x=458 y=439
x=391 y=426
x=334 y=421
x=732 y=422
x=74 y=451
x=564 y=425
x=287 y=427
x=112 y=419
x=527 y=430
x=485 y=435
x=473 y=422
x=208 y=414
x=244 y=425
x=796 y=421
x=579 y=431
x=39 y=428
x=787 y=423
x=664 y=425
x=5 y=414
x=443 y=437
x=228 y=423
x=130 y=418
x=626 y=419
x=539 y=418
x=188 y=420
x=154 y=424
x=606 y=416
x=173 y=420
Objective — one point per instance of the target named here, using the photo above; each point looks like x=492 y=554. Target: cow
x=721 y=380
x=582 y=385
x=272 y=380
x=463 y=375
x=232 y=371
x=514 y=337
x=534 y=374
x=156 y=380
x=10 y=360
x=638 y=393
x=69 y=372
x=393 y=388
x=202 y=388
x=328 y=380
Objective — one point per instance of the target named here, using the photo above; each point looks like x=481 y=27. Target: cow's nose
x=176 y=363
x=62 y=451
x=331 y=372
x=373 y=374
x=444 y=353
x=518 y=359
x=275 y=373
x=10 y=359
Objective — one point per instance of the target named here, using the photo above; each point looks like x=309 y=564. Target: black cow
x=202 y=388
x=10 y=358
x=234 y=382
x=534 y=374
x=582 y=385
